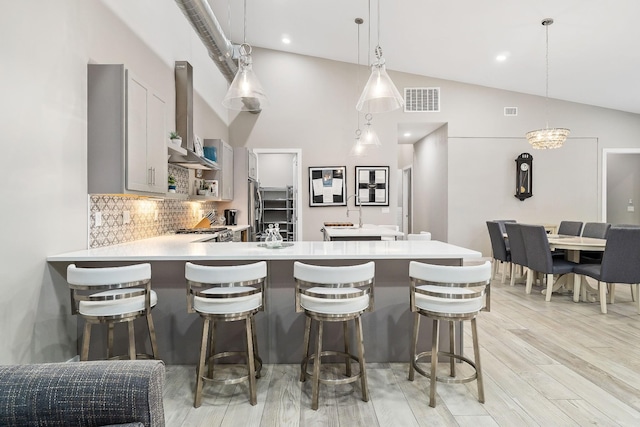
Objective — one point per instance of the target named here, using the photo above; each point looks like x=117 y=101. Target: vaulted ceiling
x=594 y=45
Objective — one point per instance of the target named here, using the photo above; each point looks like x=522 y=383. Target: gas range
x=224 y=234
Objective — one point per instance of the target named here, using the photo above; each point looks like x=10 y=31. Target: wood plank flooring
x=545 y=364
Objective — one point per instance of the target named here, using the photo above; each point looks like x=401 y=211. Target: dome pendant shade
x=380 y=94
x=547 y=138
x=245 y=92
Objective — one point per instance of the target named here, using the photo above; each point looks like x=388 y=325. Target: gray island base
x=387 y=330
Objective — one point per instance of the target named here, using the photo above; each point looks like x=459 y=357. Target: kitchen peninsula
x=279 y=328
x=354 y=232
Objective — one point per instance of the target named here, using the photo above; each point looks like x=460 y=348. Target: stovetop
x=212 y=230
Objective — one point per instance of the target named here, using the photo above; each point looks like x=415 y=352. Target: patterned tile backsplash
x=171 y=214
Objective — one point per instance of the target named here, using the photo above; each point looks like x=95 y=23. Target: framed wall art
x=372 y=185
x=327 y=186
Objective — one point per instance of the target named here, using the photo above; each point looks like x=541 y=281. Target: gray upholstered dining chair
x=598 y=230
x=502 y=222
x=570 y=228
x=501 y=253
x=539 y=257
x=620 y=264
x=517 y=250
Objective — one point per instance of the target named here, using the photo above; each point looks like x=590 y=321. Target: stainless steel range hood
x=184 y=120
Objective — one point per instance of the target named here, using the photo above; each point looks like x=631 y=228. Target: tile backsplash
x=148 y=217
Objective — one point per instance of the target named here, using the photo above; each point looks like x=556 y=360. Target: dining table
x=573 y=245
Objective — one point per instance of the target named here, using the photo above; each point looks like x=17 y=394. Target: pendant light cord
x=244 y=30
x=546 y=22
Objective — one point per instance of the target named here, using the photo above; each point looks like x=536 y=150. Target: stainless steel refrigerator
x=255 y=210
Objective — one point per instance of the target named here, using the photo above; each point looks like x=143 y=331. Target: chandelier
x=547 y=138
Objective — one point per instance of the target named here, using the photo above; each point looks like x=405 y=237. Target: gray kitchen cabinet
x=224 y=176
x=127 y=151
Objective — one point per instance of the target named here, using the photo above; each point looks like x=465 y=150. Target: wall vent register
x=421 y=99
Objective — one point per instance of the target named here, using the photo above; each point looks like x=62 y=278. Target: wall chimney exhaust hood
x=184 y=120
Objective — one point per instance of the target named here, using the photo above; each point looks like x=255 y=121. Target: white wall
x=623 y=183
x=46 y=47
x=430 y=185
x=275 y=169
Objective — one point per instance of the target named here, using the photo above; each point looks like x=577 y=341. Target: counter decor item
x=171 y=183
x=372 y=185
x=274 y=239
x=327 y=186
x=197 y=146
x=175 y=138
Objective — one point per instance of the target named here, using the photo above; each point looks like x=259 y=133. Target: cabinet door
x=156 y=144
x=138 y=175
x=227 y=172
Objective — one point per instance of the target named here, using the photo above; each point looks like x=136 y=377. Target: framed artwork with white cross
x=372 y=185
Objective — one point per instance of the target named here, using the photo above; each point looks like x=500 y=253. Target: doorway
x=281 y=169
x=407 y=204
x=621 y=185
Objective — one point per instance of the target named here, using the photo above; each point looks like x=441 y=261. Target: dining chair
x=570 y=228
x=502 y=222
x=501 y=253
x=598 y=230
x=620 y=264
x=539 y=257
x=517 y=250
x=419 y=236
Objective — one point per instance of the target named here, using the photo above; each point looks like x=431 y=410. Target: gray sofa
x=105 y=393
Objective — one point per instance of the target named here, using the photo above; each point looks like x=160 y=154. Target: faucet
x=359 y=209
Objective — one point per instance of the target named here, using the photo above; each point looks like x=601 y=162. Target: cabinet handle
x=149 y=176
x=153 y=176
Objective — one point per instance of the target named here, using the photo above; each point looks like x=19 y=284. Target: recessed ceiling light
x=502 y=57
x=286 y=39
x=407 y=134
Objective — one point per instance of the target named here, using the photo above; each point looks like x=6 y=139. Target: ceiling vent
x=510 y=111
x=421 y=99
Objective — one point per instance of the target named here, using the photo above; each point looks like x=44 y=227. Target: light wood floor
x=545 y=364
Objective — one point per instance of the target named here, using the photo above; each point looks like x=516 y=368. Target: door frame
x=297 y=153
x=605 y=152
x=407 y=200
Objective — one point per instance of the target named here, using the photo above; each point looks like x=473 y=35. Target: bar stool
x=226 y=294
x=447 y=293
x=124 y=294
x=333 y=294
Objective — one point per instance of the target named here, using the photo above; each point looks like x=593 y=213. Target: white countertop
x=188 y=247
x=365 y=231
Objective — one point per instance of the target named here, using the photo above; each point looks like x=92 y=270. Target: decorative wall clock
x=524 y=176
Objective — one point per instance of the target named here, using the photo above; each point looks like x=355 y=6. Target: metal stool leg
x=251 y=363
x=110 y=327
x=307 y=333
x=363 y=370
x=434 y=363
x=152 y=336
x=86 y=338
x=212 y=347
x=345 y=332
x=132 y=340
x=452 y=348
x=414 y=345
x=476 y=352
x=255 y=344
x=316 y=368
x=199 y=371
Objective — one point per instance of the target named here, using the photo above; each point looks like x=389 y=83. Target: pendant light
x=380 y=94
x=245 y=92
x=548 y=137
x=358 y=148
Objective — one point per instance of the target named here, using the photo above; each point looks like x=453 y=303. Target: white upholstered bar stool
x=226 y=294
x=113 y=295
x=451 y=294
x=333 y=294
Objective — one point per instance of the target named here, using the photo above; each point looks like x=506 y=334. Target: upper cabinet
x=225 y=174
x=127 y=151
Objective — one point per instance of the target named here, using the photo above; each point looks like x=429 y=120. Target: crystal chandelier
x=549 y=137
